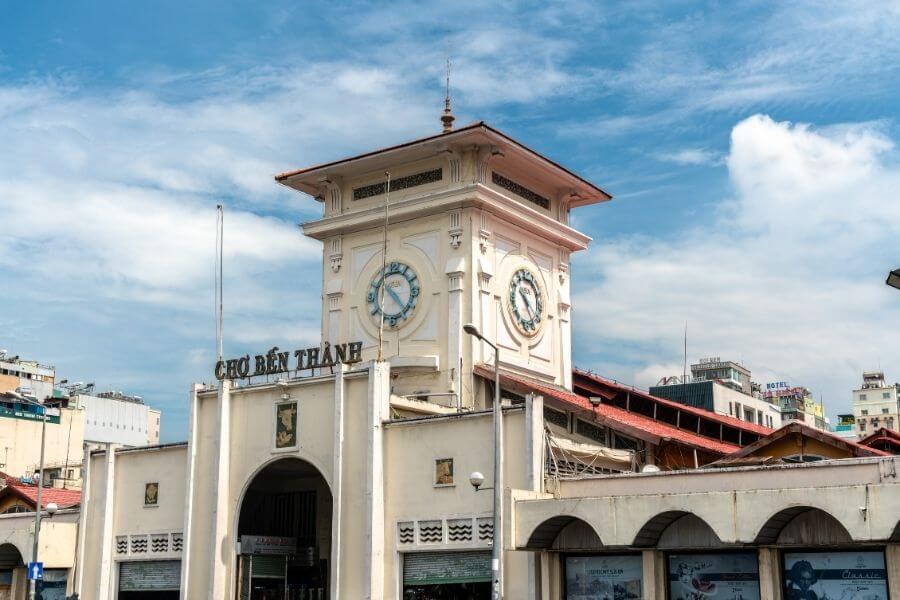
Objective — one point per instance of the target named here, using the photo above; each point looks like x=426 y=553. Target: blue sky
x=751 y=148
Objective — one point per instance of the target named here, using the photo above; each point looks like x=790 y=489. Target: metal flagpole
x=387 y=201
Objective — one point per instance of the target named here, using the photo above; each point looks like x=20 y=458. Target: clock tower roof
x=579 y=190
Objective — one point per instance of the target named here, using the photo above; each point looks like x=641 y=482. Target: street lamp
x=497 y=545
x=893 y=279
x=51 y=508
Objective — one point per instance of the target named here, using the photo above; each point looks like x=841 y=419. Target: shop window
x=603 y=576
x=834 y=575
x=725 y=574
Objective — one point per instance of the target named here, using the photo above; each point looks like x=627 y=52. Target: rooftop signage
x=275 y=361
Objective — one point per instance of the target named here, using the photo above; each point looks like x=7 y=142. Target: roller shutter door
x=150 y=576
x=435 y=568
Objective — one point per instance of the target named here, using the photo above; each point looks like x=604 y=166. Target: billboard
x=846 y=575
x=719 y=576
x=604 y=577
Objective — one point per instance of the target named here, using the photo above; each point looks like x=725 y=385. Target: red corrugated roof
x=705 y=414
x=62 y=498
x=886 y=435
x=812 y=432
x=631 y=423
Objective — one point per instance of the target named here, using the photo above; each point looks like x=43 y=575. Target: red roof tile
x=706 y=414
x=631 y=423
x=62 y=498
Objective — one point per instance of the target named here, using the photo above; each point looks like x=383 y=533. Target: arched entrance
x=284 y=532
x=10 y=560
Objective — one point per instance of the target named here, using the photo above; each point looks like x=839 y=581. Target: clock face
x=526 y=301
x=401 y=290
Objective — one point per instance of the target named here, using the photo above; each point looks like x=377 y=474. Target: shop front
x=463 y=575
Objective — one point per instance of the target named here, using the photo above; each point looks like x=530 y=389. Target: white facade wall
x=727 y=401
x=107 y=420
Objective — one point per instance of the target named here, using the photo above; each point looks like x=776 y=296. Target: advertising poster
x=725 y=576
x=603 y=577
x=835 y=576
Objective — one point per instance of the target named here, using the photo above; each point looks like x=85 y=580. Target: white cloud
x=691 y=157
x=788 y=278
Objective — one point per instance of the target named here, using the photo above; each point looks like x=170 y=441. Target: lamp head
x=52 y=508
x=893 y=279
x=472 y=330
x=476 y=479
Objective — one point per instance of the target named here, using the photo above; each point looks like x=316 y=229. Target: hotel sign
x=275 y=361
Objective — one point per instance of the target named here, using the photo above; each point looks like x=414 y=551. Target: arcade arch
x=284 y=532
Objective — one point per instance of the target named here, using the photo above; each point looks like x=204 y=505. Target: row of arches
x=793 y=526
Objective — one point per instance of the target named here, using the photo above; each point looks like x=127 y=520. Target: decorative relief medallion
x=526 y=301
x=400 y=294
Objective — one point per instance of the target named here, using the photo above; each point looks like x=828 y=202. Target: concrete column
x=378 y=409
x=337 y=484
x=654 y=575
x=82 y=520
x=219 y=550
x=187 y=528
x=892 y=564
x=106 y=563
x=534 y=449
x=769 y=573
x=544 y=565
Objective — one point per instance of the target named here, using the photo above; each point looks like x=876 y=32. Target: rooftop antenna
x=684 y=368
x=447 y=118
x=220 y=230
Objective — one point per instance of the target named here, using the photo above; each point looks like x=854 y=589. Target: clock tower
x=420 y=238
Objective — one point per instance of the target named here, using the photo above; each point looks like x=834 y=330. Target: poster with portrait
x=443 y=471
x=835 y=576
x=286 y=425
x=720 y=576
x=604 y=577
x=151 y=494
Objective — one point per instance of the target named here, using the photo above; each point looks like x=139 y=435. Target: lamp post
x=32 y=586
x=893 y=279
x=497 y=545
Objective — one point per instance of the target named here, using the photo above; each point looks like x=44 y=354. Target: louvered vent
x=459 y=530
x=485 y=529
x=138 y=544
x=122 y=544
x=431 y=532
x=406 y=532
x=177 y=542
x=159 y=542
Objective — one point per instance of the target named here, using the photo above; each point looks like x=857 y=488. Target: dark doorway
x=449 y=591
x=162 y=595
x=284 y=531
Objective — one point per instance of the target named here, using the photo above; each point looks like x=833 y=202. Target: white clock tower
x=476 y=229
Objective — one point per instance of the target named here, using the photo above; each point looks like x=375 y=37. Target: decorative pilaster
x=219 y=584
x=334 y=293
x=565 y=337
x=455 y=271
x=455 y=230
x=337 y=484
x=484 y=234
x=332 y=195
x=188 y=527
x=336 y=255
x=109 y=513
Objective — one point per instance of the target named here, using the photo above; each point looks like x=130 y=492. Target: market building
x=342 y=470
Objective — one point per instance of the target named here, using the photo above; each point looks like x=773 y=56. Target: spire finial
x=447 y=118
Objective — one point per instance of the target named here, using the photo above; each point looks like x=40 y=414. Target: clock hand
x=395 y=297
x=527 y=302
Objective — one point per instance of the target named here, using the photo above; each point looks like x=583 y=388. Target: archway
x=677 y=529
x=284 y=533
x=564 y=533
x=10 y=559
x=802 y=526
